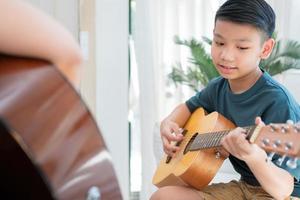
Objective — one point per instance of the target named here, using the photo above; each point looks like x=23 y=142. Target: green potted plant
x=285 y=56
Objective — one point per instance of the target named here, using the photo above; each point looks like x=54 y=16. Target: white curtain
x=156 y=23
x=288 y=15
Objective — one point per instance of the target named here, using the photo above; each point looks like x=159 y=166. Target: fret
x=220 y=136
x=216 y=139
x=210 y=139
x=216 y=136
x=204 y=139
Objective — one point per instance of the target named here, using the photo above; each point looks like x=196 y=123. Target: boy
x=242 y=37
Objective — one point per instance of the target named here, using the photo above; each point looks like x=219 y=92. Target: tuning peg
x=270 y=156
x=266 y=142
x=277 y=143
x=290 y=122
x=292 y=163
x=285 y=129
x=297 y=127
x=288 y=145
x=280 y=160
x=273 y=127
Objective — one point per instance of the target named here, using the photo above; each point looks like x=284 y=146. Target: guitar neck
x=282 y=139
x=213 y=139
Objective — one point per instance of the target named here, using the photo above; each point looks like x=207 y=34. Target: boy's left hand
x=237 y=144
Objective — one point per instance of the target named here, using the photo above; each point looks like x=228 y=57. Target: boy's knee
x=161 y=193
x=167 y=192
x=175 y=193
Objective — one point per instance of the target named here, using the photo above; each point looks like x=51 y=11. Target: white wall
x=112 y=82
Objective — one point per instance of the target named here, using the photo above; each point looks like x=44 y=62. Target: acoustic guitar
x=50 y=145
x=198 y=159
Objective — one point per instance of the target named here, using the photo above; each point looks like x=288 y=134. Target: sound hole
x=187 y=147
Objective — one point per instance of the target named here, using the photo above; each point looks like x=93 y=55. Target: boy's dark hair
x=257 y=13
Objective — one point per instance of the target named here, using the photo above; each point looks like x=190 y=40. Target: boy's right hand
x=170 y=132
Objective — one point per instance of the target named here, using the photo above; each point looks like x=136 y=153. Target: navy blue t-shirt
x=266 y=98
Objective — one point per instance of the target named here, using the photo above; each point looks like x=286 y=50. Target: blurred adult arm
x=27 y=31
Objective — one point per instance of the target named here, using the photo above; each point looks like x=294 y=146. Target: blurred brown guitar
x=50 y=145
x=198 y=160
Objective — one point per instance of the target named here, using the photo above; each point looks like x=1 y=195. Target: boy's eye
x=219 y=43
x=243 y=48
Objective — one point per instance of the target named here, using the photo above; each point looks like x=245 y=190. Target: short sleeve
x=203 y=98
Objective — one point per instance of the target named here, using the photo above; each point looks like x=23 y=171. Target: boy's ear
x=267 y=48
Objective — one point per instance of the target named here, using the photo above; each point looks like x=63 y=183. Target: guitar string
x=212 y=139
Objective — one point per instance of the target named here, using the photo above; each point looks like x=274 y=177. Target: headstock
x=282 y=139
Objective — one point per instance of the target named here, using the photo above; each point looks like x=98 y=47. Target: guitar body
x=51 y=147
x=194 y=168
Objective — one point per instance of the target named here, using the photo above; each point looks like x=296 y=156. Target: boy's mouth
x=225 y=69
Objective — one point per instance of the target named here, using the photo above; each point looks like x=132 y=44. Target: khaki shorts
x=235 y=190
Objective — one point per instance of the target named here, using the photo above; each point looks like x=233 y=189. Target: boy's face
x=237 y=49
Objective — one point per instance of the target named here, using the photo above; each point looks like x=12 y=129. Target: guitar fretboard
x=213 y=139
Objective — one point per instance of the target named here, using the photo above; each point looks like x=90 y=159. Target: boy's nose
x=227 y=55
